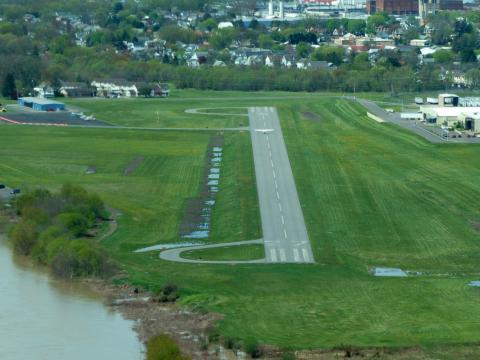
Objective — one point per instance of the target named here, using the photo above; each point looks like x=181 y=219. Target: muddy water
x=45 y=319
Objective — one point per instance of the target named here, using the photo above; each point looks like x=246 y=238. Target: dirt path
x=134 y=164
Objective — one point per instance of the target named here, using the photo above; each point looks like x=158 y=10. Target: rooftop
x=40 y=101
x=451 y=111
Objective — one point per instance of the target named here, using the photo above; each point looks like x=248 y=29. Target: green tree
x=209 y=24
x=473 y=78
x=145 y=91
x=75 y=223
x=24 y=237
x=9 y=89
x=375 y=21
x=265 y=41
x=443 y=56
x=333 y=54
x=303 y=49
x=222 y=38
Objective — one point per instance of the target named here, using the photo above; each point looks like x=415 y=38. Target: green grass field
x=372 y=195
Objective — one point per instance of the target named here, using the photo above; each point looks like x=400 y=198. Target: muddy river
x=45 y=319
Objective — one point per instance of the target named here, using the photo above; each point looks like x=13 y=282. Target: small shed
x=41 y=104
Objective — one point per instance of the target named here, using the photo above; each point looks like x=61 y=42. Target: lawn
x=372 y=195
x=170 y=112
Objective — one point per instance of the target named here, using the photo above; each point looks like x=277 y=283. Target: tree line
x=55 y=229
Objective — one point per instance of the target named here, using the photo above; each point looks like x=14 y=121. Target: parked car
x=2 y=186
x=15 y=192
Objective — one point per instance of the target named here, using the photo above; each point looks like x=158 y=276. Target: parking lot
x=26 y=116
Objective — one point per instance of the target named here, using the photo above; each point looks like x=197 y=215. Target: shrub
x=288 y=356
x=231 y=343
x=162 y=347
x=24 y=237
x=253 y=349
x=50 y=232
x=75 y=223
x=169 y=293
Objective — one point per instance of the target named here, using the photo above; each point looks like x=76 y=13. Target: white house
x=115 y=88
x=44 y=91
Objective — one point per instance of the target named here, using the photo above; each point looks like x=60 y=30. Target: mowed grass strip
x=158 y=113
x=382 y=196
x=231 y=253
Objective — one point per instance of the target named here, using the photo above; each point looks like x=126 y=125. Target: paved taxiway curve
x=284 y=232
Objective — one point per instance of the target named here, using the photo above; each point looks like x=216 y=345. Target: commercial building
x=469 y=117
x=451 y=4
x=41 y=104
x=412 y=7
x=448 y=112
x=393 y=7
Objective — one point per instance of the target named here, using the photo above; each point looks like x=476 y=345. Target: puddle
x=196 y=222
x=389 y=272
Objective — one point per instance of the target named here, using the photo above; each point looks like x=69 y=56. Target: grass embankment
x=372 y=194
x=239 y=253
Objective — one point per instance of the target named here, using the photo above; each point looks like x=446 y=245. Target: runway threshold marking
x=273 y=255
x=296 y=255
x=305 y=255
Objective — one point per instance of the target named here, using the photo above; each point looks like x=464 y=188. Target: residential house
x=44 y=90
x=76 y=89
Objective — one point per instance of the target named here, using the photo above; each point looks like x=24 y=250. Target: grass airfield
x=372 y=195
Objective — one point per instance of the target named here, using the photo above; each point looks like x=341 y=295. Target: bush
x=24 y=237
x=162 y=347
x=51 y=229
x=288 y=356
x=253 y=349
x=231 y=343
x=169 y=293
x=74 y=223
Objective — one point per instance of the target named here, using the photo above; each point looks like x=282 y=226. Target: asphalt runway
x=284 y=232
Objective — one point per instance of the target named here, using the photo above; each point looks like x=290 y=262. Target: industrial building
x=41 y=104
x=395 y=7
x=448 y=112
x=412 y=7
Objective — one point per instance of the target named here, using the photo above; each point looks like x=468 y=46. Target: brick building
x=394 y=7
x=451 y=4
x=414 y=7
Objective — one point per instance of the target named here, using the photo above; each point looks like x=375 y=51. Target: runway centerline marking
x=283 y=227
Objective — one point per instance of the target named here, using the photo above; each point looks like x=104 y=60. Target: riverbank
x=189 y=329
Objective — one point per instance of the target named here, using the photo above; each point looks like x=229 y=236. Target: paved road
x=412 y=125
x=284 y=232
x=87 y=126
x=175 y=254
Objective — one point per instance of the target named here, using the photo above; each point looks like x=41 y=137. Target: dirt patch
x=189 y=329
x=475 y=225
x=134 y=164
x=311 y=116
